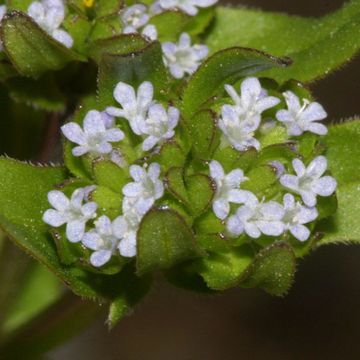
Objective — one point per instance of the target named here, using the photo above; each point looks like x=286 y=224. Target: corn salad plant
x=192 y=148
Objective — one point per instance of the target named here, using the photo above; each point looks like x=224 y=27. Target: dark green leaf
x=223 y=270
x=224 y=66
x=164 y=240
x=134 y=68
x=201 y=190
x=30 y=49
x=118 y=45
x=272 y=270
x=205 y=134
x=174 y=180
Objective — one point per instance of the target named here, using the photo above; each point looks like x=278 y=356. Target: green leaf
x=224 y=66
x=201 y=190
x=103 y=8
x=316 y=45
x=23 y=200
x=261 y=179
x=343 y=154
x=30 y=49
x=223 y=270
x=108 y=174
x=117 y=45
x=134 y=68
x=205 y=134
x=106 y=27
x=170 y=155
x=42 y=93
x=199 y=23
x=163 y=240
x=170 y=24
x=272 y=270
x=174 y=180
x=134 y=289
x=109 y=202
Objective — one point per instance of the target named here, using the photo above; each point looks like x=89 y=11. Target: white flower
x=95 y=138
x=49 y=15
x=296 y=215
x=256 y=218
x=159 y=125
x=70 y=212
x=134 y=17
x=188 y=6
x=150 y=32
x=253 y=100
x=182 y=58
x=227 y=189
x=146 y=188
x=3 y=10
x=309 y=182
x=103 y=240
x=299 y=119
x=239 y=132
x=134 y=106
x=126 y=233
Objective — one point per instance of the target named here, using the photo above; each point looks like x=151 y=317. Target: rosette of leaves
x=179 y=236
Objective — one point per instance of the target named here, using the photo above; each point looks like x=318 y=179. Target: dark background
x=318 y=319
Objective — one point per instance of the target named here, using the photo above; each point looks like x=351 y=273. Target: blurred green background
x=318 y=319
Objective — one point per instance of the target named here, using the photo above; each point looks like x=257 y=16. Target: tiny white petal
x=99 y=258
x=75 y=230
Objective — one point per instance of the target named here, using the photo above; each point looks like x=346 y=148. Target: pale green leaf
x=317 y=46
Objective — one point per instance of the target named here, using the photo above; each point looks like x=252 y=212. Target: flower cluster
x=181 y=58
x=49 y=15
x=239 y=123
x=153 y=124
x=147 y=119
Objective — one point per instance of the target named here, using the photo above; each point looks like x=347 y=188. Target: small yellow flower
x=88 y=3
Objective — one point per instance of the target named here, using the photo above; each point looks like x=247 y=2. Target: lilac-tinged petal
x=235 y=226
x=292 y=101
x=317 y=128
x=221 y=208
x=313 y=112
x=63 y=37
x=89 y=209
x=120 y=227
x=54 y=218
x=306 y=215
x=91 y=240
x=114 y=135
x=154 y=171
x=116 y=112
x=308 y=198
x=250 y=88
x=239 y=196
x=290 y=181
x=252 y=230
x=300 y=232
x=289 y=201
x=124 y=94
x=79 y=150
x=299 y=167
x=145 y=94
x=74 y=133
x=99 y=258
x=75 y=230
x=127 y=248
x=216 y=170
x=284 y=116
x=232 y=93
x=324 y=186
x=77 y=198
x=93 y=123
x=150 y=142
x=132 y=189
x=266 y=103
x=235 y=177
x=58 y=200
x=317 y=167
x=294 y=129
x=103 y=225
x=137 y=172
x=271 y=228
